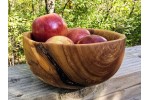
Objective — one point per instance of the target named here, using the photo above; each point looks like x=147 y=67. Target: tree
x=50 y=5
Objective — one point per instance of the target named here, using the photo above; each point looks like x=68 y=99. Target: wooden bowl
x=78 y=65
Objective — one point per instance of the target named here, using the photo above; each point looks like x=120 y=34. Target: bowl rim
x=121 y=37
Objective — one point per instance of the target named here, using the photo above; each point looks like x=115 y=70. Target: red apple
x=59 y=40
x=75 y=34
x=47 y=26
x=92 y=39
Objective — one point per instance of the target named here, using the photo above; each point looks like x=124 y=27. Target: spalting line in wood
x=64 y=78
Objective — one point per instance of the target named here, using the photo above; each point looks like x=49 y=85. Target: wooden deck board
x=125 y=84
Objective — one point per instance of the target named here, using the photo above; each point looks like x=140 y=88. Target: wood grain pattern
x=75 y=66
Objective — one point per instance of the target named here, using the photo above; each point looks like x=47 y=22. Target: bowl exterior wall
x=74 y=66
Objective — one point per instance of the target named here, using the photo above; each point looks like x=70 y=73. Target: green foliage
x=123 y=16
x=21 y=15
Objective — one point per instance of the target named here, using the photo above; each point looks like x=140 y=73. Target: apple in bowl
x=91 y=39
x=75 y=34
x=47 y=26
x=59 y=40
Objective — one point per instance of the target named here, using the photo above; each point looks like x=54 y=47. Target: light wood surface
x=124 y=85
x=78 y=65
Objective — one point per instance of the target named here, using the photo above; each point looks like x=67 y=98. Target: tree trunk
x=132 y=9
x=9 y=7
x=65 y=7
x=50 y=5
x=33 y=11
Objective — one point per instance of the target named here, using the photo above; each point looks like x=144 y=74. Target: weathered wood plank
x=111 y=86
x=124 y=94
x=24 y=85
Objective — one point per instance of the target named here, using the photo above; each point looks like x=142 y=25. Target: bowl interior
x=109 y=35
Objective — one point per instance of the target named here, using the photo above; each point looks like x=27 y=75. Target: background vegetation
x=123 y=16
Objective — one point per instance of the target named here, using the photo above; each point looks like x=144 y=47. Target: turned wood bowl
x=78 y=65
